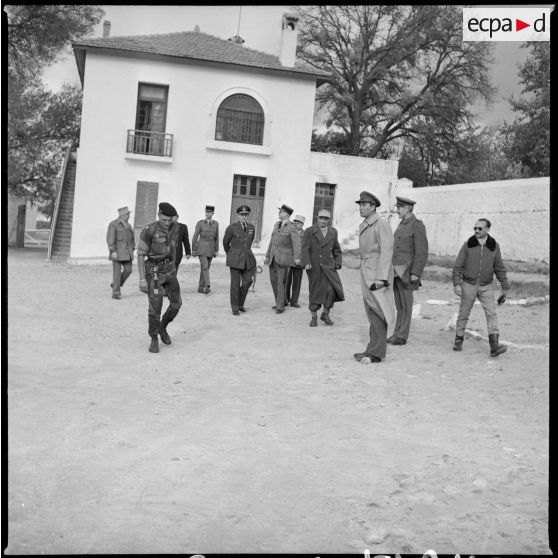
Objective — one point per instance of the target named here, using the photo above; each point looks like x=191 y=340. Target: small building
x=194 y=119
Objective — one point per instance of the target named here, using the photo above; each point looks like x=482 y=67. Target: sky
x=260 y=27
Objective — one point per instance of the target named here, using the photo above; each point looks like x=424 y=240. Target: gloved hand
x=337 y=266
x=501 y=299
x=143 y=286
x=114 y=255
x=458 y=290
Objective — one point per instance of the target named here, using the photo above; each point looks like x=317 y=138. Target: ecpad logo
x=506 y=24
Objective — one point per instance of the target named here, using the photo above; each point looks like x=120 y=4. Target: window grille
x=240 y=119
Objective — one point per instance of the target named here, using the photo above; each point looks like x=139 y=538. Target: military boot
x=314 y=320
x=154 y=347
x=165 y=337
x=325 y=318
x=495 y=347
x=458 y=343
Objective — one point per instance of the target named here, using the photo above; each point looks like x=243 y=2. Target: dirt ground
x=258 y=434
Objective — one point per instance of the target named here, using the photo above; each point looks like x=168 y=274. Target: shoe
x=397 y=341
x=360 y=356
x=206 y=290
x=278 y=311
x=236 y=313
x=154 y=347
x=495 y=348
x=389 y=339
x=116 y=296
x=295 y=305
x=165 y=337
x=201 y=290
x=111 y=285
x=242 y=309
x=314 y=322
x=326 y=319
x=274 y=307
x=458 y=343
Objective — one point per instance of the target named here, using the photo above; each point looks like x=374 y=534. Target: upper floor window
x=240 y=118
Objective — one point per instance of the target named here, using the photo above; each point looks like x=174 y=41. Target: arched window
x=240 y=118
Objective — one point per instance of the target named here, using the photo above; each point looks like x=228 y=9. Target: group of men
x=391 y=267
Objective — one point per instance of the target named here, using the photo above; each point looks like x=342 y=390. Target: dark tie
x=244 y=226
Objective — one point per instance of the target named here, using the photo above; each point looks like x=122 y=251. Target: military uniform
x=158 y=245
x=410 y=254
x=205 y=244
x=237 y=243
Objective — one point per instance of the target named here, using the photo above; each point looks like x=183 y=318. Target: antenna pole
x=239 y=14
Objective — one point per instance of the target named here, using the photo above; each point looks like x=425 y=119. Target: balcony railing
x=149 y=143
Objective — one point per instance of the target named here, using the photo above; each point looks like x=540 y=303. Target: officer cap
x=324 y=213
x=404 y=201
x=167 y=209
x=123 y=211
x=287 y=209
x=243 y=209
x=210 y=208
x=299 y=218
x=367 y=197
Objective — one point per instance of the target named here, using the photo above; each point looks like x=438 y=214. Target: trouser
x=205 y=263
x=378 y=333
x=329 y=298
x=404 y=305
x=278 y=278
x=165 y=278
x=470 y=293
x=120 y=272
x=238 y=292
x=294 y=280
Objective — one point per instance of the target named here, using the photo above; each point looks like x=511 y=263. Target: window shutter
x=146 y=205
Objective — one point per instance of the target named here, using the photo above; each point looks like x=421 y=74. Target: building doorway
x=250 y=191
x=324 y=197
x=146 y=206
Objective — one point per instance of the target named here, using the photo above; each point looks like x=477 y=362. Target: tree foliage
x=397 y=72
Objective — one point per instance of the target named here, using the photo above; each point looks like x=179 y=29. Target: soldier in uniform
x=182 y=240
x=410 y=253
x=156 y=253
x=283 y=252
x=294 y=278
x=237 y=243
x=205 y=245
x=121 y=245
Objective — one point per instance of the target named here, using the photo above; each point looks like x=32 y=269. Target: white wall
x=198 y=174
x=518 y=210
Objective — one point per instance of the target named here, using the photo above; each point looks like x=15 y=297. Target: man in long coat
x=237 y=242
x=376 y=277
x=321 y=257
x=205 y=245
x=410 y=253
x=283 y=252
x=121 y=244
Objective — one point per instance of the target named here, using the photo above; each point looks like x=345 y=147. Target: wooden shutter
x=146 y=205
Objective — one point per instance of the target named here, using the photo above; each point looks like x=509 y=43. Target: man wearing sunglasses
x=473 y=271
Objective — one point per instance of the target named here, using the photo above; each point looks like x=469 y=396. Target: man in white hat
x=121 y=244
x=294 y=278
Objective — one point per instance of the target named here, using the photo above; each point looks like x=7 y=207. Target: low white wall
x=518 y=210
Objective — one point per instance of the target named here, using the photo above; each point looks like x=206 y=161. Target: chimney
x=289 y=35
x=106 y=29
x=237 y=40
x=196 y=28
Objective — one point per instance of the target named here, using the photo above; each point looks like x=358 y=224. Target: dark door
x=323 y=199
x=20 y=229
x=250 y=191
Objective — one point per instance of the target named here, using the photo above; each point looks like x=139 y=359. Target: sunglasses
x=478 y=228
x=244 y=214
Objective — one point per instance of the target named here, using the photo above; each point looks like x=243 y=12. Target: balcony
x=143 y=142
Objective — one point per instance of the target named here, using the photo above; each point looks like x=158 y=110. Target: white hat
x=324 y=213
x=299 y=218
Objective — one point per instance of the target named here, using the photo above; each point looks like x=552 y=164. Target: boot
x=165 y=337
x=458 y=343
x=314 y=320
x=495 y=347
x=154 y=347
x=325 y=317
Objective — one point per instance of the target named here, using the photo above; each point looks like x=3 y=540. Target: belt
x=159 y=262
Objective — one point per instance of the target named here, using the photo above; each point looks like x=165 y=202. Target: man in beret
x=237 y=242
x=156 y=253
x=283 y=252
x=181 y=240
x=376 y=277
x=410 y=253
x=121 y=244
x=294 y=277
x=321 y=257
x=205 y=245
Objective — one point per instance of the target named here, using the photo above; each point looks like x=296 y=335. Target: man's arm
x=195 y=238
x=216 y=238
x=186 y=241
x=143 y=249
x=305 y=250
x=227 y=239
x=111 y=240
x=420 y=242
x=336 y=251
x=457 y=272
x=386 y=250
x=500 y=269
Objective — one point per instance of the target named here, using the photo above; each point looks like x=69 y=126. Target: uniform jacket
x=478 y=264
x=376 y=252
x=284 y=246
x=182 y=240
x=157 y=243
x=301 y=235
x=205 y=240
x=120 y=239
x=238 y=245
x=324 y=254
x=410 y=250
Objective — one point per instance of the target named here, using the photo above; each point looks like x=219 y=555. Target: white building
x=193 y=119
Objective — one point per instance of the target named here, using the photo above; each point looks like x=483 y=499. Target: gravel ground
x=258 y=434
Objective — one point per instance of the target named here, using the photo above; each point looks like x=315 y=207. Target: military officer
x=205 y=245
x=237 y=243
x=156 y=253
x=410 y=253
x=294 y=278
x=121 y=245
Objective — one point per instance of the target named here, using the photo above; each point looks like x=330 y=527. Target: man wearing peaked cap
x=283 y=252
x=157 y=271
x=294 y=277
x=121 y=244
x=376 y=277
x=237 y=242
x=410 y=253
x=205 y=245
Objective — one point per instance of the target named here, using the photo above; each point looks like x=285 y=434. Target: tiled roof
x=198 y=46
